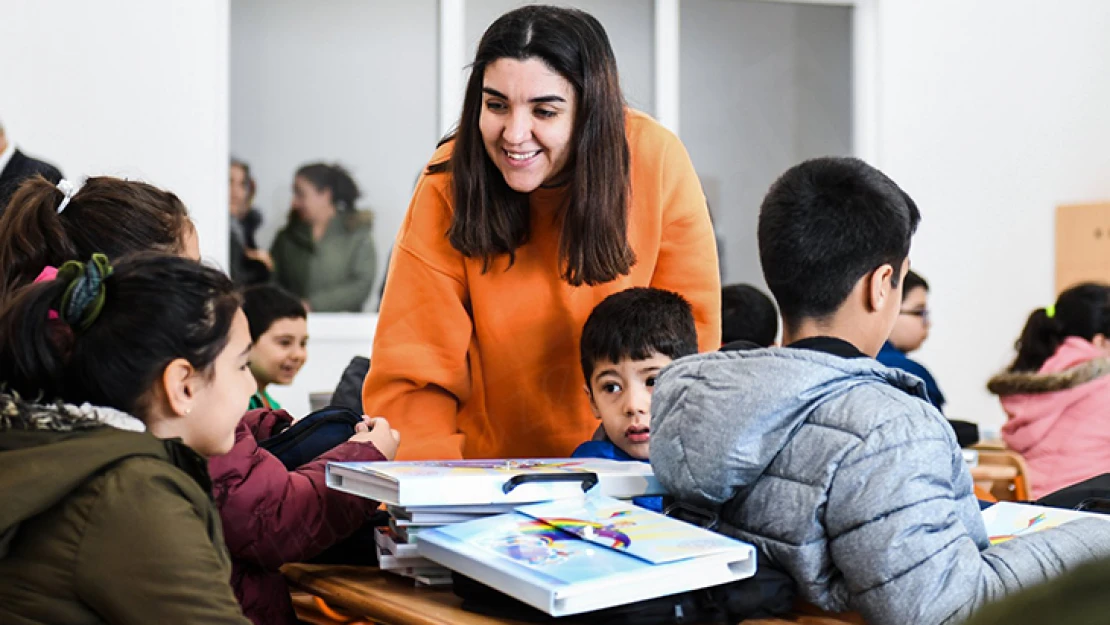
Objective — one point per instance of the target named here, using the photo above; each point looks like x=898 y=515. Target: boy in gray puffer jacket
x=835 y=467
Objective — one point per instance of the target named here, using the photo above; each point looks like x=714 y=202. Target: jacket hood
x=1075 y=375
x=739 y=409
x=1076 y=362
x=48 y=451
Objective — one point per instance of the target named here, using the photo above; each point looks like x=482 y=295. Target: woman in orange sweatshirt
x=550 y=196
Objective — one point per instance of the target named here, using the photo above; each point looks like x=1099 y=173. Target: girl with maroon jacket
x=272 y=515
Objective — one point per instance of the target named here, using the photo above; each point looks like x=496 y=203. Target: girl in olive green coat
x=118 y=382
x=325 y=254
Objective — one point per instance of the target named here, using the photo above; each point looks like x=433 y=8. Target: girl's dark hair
x=334 y=178
x=912 y=281
x=490 y=219
x=1082 y=311
x=157 y=308
x=109 y=215
x=263 y=304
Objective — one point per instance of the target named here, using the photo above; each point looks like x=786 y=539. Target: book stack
x=579 y=555
x=424 y=496
x=400 y=557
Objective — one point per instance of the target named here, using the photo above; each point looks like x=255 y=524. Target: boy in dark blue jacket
x=627 y=339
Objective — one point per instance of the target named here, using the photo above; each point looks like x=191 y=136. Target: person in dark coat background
x=15 y=167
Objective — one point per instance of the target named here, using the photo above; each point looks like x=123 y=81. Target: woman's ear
x=179 y=385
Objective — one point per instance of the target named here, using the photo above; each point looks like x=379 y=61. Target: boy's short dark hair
x=748 y=315
x=263 y=304
x=825 y=224
x=637 y=323
x=913 y=281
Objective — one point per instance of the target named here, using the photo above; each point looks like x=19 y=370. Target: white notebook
x=481 y=482
x=573 y=556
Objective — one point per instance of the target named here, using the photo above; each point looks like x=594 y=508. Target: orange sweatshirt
x=473 y=365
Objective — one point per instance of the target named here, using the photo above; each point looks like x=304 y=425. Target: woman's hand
x=377 y=430
x=261 y=256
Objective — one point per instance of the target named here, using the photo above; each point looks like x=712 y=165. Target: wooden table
x=371 y=594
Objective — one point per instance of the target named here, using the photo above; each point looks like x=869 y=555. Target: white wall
x=629 y=24
x=991 y=113
x=348 y=81
x=128 y=88
x=764 y=86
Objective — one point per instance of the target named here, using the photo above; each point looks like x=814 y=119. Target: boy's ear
x=593 y=403
x=879 y=288
x=179 y=385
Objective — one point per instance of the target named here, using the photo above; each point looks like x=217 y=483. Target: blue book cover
x=573 y=556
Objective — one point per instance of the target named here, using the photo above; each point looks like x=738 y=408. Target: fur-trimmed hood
x=1034 y=383
x=1058 y=416
x=47 y=451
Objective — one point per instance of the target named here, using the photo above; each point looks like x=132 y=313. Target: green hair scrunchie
x=84 y=297
x=1050 y=311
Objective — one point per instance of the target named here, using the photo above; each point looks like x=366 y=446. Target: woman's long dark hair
x=490 y=219
x=1082 y=311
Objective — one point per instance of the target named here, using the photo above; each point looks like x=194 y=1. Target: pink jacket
x=1059 y=416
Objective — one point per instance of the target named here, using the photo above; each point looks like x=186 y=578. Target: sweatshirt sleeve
x=896 y=534
x=687 y=262
x=147 y=556
x=351 y=295
x=419 y=371
x=271 y=515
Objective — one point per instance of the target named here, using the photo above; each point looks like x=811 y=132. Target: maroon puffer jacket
x=272 y=516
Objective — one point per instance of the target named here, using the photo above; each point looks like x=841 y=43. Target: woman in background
x=248 y=264
x=325 y=254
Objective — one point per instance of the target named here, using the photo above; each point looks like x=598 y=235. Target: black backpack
x=315 y=434
x=768 y=593
x=1092 y=495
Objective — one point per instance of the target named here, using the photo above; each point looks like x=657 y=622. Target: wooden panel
x=1082 y=244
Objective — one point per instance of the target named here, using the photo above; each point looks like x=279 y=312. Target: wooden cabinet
x=1082 y=244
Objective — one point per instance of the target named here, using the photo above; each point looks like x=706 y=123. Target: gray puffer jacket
x=842 y=474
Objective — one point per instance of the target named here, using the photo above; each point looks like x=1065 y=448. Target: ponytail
x=1082 y=311
x=34 y=344
x=32 y=235
x=109 y=215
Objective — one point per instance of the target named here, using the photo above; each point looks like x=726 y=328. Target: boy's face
x=911 y=328
x=620 y=395
x=280 y=352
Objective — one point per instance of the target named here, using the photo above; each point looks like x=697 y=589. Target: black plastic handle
x=589 y=480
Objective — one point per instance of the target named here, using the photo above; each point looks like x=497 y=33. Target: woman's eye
x=494 y=105
x=545 y=114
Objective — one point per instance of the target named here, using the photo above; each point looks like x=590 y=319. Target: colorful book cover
x=573 y=556
x=630 y=529
x=1007 y=520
